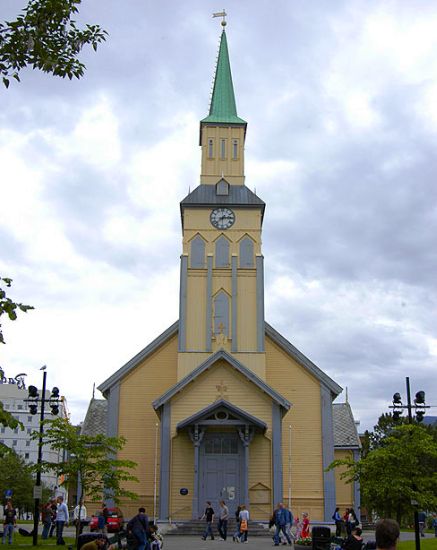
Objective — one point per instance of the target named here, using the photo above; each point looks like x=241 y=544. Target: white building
x=13 y=397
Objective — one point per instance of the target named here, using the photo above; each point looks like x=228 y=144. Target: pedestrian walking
x=244 y=523
x=62 y=519
x=223 y=520
x=236 y=535
x=9 y=522
x=46 y=518
x=422 y=523
x=208 y=515
x=280 y=518
x=138 y=526
x=79 y=516
x=434 y=524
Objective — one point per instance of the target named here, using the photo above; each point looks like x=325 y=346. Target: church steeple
x=223 y=108
x=222 y=132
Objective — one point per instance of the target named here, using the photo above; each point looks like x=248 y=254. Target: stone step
x=197 y=527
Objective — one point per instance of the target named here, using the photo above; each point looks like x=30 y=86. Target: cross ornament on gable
x=221 y=388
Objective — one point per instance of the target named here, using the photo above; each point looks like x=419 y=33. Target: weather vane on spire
x=221 y=14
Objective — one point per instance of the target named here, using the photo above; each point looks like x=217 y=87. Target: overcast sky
x=341 y=103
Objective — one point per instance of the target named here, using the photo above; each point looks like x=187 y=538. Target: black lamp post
x=33 y=401
x=419 y=407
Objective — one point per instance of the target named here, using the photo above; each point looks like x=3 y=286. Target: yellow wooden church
x=220 y=405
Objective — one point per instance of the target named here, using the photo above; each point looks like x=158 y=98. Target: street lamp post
x=33 y=401
x=419 y=407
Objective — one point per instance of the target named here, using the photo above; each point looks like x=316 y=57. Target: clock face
x=222 y=218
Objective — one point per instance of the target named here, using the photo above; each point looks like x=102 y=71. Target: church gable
x=222 y=357
x=221 y=382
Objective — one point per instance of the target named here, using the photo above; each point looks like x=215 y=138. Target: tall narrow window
x=246 y=252
x=235 y=149
x=222 y=252
x=210 y=148
x=221 y=314
x=223 y=149
x=197 y=252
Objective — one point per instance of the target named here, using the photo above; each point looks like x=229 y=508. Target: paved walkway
x=255 y=543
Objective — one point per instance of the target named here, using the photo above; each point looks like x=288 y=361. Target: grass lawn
x=23 y=542
x=425 y=544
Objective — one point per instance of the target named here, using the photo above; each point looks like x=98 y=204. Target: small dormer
x=222 y=188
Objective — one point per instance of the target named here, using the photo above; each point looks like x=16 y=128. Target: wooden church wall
x=344 y=491
x=303 y=391
x=137 y=419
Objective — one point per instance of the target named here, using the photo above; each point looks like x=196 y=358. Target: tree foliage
x=15 y=474
x=90 y=459
x=44 y=36
x=10 y=308
x=398 y=472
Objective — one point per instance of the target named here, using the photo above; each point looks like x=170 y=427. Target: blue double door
x=220 y=471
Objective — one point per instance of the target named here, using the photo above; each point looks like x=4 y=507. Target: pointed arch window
x=197 y=252
x=210 y=148
x=246 y=252
x=222 y=149
x=235 y=149
x=221 y=314
x=222 y=252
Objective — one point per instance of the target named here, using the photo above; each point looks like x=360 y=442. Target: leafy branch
x=44 y=36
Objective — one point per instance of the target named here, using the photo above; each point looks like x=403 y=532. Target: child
x=157 y=540
x=305 y=525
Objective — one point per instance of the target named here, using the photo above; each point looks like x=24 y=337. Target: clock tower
x=242 y=415
x=222 y=283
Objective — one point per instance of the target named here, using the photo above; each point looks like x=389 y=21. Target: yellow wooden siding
x=209 y=234
x=213 y=167
x=246 y=311
x=196 y=312
x=260 y=472
x=344 y=491
x=188 y=361
x=202 y=392
x=303 y=390
x=182 y=476
x=197 y=220
x=137 y=418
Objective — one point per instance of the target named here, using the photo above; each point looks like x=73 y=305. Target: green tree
x=44 y=36
x=400 y=471
x=15 y=474
x=91 y=460
x=10 y=308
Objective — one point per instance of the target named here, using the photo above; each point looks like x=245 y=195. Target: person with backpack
x=338 y=522
x=244 y=523
x=138 y=526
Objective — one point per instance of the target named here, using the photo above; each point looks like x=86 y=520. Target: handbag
x=243 y=525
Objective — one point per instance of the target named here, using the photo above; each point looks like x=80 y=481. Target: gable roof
x=222 y=404
x=345 y=429
x=136 y=360
x=95 y=418
x=282 y=342
x=238 y=195
x=210 y=362
x=300 y=358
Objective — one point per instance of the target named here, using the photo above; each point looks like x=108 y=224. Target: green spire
x=223 y=108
